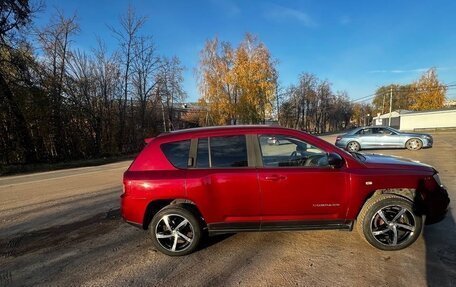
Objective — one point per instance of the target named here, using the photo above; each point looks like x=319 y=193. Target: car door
x=224 y=182
x=298 y=185
x=390 y=138
x=366 y=138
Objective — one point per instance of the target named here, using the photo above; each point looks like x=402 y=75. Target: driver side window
x=285 y=151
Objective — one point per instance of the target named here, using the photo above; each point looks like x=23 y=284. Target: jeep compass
x=230 y=179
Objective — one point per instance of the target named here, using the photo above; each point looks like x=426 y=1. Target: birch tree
x=237 y=84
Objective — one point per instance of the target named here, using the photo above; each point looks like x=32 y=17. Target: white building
x=409 y=120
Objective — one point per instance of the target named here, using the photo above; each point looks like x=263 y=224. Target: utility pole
x=277 y=98
x=391 y=103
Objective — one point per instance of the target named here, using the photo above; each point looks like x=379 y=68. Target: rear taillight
x=126 y=186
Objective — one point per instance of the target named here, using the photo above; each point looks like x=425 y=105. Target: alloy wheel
x=414 y=144
x=353 y=146
x=393 y=225
x=174 y=232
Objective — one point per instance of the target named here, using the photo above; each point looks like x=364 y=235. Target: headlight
x=437 y=179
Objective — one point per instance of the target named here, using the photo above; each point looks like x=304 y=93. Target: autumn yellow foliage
x=236 y=85
x=429 y=92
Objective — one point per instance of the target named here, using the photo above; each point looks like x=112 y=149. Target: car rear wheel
x=389 y=222
x=175 y=231
x=414 y=144
x=353 y=146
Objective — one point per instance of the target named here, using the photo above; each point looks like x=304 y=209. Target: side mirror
x=335 y=160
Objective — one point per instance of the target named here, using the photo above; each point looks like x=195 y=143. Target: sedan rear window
x=367 y=131
x=177 y=152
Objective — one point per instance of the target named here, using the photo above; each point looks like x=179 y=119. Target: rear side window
x=228 y=151
x=177 y=152
x=367 y=131
x=381 y=131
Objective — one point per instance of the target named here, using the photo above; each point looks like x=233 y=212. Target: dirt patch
x=60 y=235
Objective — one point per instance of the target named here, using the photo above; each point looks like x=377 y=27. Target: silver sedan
x=377 y=137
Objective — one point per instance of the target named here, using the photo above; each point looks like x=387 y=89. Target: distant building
x=410 y=120
x=450 y=103
x=384 y=120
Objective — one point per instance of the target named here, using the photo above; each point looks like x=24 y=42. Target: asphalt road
x=62 y=228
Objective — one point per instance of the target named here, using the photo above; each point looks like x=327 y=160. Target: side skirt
x=222 y=228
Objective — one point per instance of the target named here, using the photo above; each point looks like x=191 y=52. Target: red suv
x=231 y=179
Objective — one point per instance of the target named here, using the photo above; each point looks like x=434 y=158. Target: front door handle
x=275 y=177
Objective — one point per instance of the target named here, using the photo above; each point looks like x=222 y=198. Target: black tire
x=353 y=146
x=183 y=238
x=414 y=144
x=380 y=233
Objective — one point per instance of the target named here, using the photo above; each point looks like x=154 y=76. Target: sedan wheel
x=389 y=222
x=175 y=231
x=353 y=146
x=414 y=144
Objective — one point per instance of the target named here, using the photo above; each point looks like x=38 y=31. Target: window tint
x=229 y=151
x=367 y=131
x=177 y=152
x=382 y=131
x=202 y=154
x=284 y=151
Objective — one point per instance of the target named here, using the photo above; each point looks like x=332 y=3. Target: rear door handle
x=275 y=177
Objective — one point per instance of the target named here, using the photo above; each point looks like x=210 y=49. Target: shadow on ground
x=208 y=241
x=440 y=240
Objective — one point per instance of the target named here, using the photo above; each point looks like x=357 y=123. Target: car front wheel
x=175 y=231
x=389 y=222
x=414 y=144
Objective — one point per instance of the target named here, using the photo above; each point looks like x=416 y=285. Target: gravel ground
x=63 y=229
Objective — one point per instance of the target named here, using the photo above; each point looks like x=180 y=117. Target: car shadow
x=440 y=241
x=209 y=240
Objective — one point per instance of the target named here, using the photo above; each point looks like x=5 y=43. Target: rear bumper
x=132 y=209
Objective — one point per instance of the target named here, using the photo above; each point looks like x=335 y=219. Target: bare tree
x=64 y=104
x=108 y=79
x=169 y=89
x=311 y=105
x=55 y=40
x=127 y=36
x=145 y=66
x=82 y=95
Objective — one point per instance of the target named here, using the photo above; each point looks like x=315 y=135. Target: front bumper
x=436 y=205
x=428 y=143
x=340 y=144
